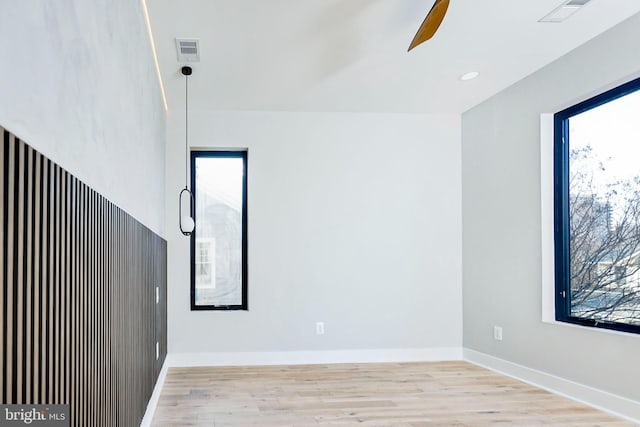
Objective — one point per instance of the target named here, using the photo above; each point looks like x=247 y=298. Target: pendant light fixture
x=187 y=224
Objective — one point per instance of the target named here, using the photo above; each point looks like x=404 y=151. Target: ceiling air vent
x=188 y=50
x=564 y=11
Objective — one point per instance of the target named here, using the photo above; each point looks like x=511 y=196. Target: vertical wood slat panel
x=3 y=269
x=28 y=293
x=3 y=264
x=78 y=316
x=44 y=269
x=3 y=240
x=18 y=284
x=36 y=269
x=53 y=284
x=9 y=302
x=18 y=278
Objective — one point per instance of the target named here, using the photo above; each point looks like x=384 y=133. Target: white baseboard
x=155 y=396
x=602 y=400
x=315 y=357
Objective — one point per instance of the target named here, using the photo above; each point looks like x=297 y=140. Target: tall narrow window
x=597 y=210
x=219 y=243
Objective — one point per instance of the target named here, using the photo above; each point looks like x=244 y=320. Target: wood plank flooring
x=389 y=394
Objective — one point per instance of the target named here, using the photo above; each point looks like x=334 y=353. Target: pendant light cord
x=186 y=131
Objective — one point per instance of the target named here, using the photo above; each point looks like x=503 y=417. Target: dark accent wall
x=79 y=318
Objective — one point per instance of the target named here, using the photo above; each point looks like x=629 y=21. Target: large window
x=597 y=210
x=219 y=242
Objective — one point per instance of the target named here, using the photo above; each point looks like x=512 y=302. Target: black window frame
x=561 y=208
x=195 y=154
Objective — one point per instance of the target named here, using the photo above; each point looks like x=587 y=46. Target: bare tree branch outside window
x=604 y=241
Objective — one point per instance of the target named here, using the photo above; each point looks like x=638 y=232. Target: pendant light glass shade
x=187 y=224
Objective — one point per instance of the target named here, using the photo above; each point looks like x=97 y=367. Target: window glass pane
x=604 y=211
x=218 y=252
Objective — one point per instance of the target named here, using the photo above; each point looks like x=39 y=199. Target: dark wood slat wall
x=79 y=317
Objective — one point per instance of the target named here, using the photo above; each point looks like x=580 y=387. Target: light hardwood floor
x=389 y=394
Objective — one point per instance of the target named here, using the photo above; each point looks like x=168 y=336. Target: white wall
x=354 y=220
x=78 y=83
x=502 y=221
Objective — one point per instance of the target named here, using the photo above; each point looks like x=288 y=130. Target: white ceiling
x=351 y=55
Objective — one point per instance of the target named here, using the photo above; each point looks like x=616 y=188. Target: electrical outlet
x=319 y=328
x=497 y=333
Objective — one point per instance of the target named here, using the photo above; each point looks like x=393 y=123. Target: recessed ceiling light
x=469 y=76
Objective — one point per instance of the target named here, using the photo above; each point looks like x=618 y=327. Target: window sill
x=590 y=328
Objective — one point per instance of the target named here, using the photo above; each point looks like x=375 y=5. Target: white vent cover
x=564 y=11
x=188 y=50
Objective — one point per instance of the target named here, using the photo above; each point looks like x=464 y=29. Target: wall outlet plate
x=497 y=333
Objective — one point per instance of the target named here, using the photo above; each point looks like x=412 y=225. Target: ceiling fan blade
x=431 y=23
